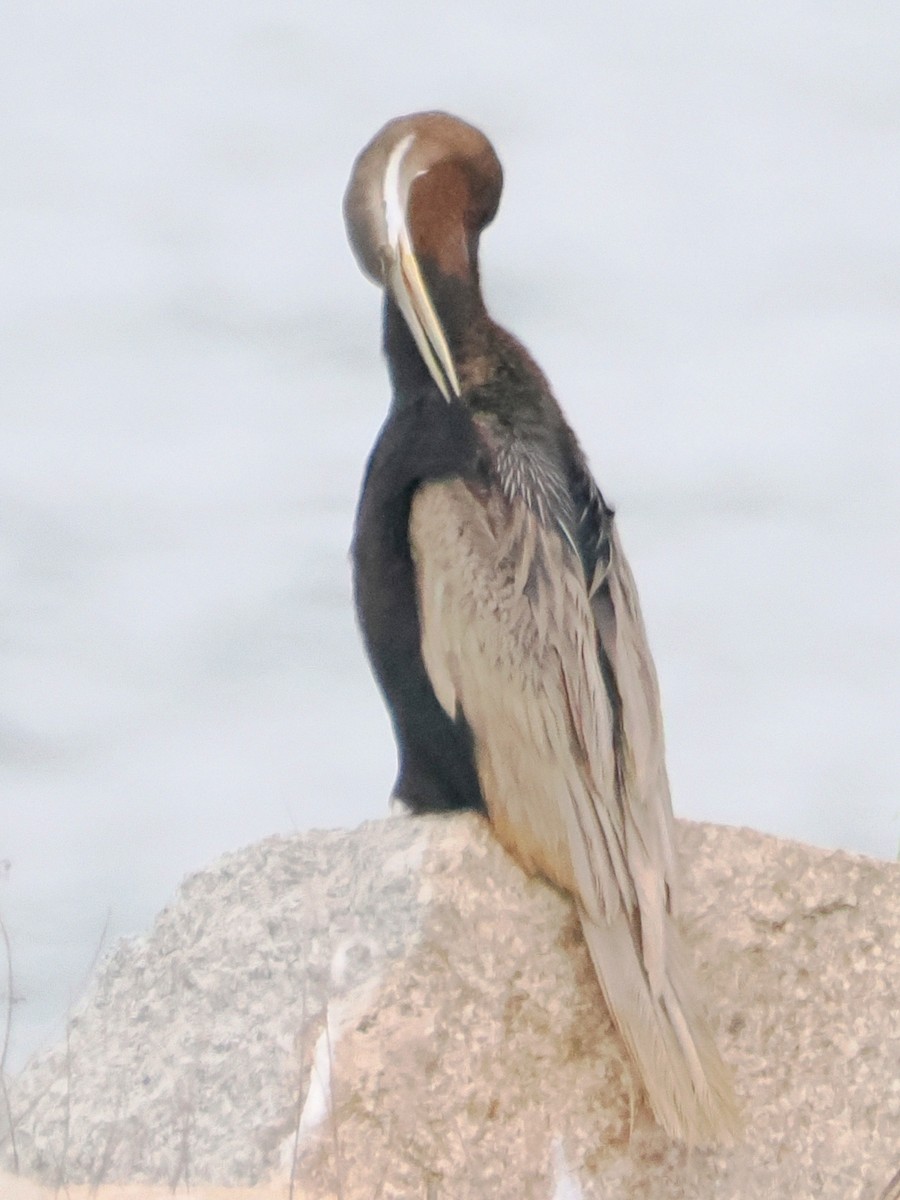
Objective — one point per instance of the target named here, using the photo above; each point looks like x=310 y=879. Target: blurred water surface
x=699 y=243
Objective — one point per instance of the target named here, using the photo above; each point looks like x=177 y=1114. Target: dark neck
x=409 y=375
x=460 y=309
x=459 y=305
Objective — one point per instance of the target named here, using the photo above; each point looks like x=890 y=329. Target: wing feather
x=556 y=682
x=508 y=631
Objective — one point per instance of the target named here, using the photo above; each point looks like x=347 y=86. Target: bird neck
x=463 y=317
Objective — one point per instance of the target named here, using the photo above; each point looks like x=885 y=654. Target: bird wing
x=558 y=687
x=554 y=676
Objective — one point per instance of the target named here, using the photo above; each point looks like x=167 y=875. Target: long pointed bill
x=404 y=278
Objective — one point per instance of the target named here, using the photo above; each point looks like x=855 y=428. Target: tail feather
x=687 y=1083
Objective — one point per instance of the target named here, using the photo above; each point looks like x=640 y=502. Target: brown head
x=420 y=193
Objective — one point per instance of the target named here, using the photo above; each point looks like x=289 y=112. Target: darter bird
x=500 y=615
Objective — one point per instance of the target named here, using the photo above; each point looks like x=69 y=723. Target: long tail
x=687 y=1083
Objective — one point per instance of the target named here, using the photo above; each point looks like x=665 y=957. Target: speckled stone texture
x=467 y=1051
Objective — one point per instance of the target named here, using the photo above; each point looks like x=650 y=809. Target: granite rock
x=397 y=1011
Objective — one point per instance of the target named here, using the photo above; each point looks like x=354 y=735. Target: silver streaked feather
x=510 y=636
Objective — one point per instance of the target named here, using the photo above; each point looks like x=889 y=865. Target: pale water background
x=700 y=243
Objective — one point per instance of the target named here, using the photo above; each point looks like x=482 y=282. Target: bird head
x=419 y=195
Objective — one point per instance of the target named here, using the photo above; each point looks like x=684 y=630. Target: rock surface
x=397 y=1011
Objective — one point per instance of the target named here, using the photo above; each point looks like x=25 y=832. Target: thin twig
x=89 y=974
x=62 y=1172
x=892 y=1191
x=186 y=1111
x=7 y=1033
x=62 y=1180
